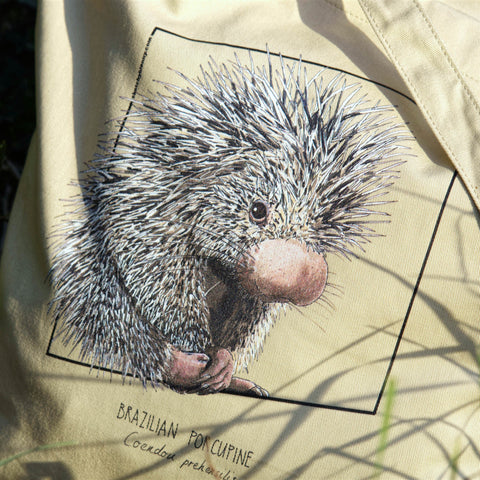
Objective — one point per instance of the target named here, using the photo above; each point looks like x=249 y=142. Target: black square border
x=422 y=268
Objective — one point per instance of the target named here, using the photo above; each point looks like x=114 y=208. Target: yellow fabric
x=408 y=307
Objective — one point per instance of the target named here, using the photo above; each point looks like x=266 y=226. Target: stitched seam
x=346 y=12
x=447 y=56
x=447 y=147
x=471 y=77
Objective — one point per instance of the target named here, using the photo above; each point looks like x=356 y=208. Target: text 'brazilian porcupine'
x=216 y=204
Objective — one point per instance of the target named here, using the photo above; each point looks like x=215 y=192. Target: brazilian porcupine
x=216 y=203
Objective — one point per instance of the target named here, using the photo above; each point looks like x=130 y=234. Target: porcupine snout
x=283 y=271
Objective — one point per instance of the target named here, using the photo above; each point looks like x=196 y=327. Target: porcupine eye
x=259 y=212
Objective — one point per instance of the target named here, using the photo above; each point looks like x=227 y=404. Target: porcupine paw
x=218 y=374
x=186 y=369
x=240 y=385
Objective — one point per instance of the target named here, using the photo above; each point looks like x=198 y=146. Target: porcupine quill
x=202 y=188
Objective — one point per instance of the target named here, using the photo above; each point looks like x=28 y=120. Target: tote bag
x=377 y=378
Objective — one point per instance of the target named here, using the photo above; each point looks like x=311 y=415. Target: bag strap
x=435 y=82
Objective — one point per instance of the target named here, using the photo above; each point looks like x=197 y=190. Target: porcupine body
x=196 y=178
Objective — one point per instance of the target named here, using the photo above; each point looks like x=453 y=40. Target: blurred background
x=17 y=97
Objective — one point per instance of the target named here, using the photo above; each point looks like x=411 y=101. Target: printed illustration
x=214 y=208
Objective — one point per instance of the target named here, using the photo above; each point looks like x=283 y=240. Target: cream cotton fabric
x=408 y=308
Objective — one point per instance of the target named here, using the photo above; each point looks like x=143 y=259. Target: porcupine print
x=215 y=206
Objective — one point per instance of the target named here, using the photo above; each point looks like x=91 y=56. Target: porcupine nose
x=283 y=271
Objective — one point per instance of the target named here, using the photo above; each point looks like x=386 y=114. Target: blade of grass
x=37 y=449
x=454 y=462
x=457 y=452
x=478 y=363
x=386 y=421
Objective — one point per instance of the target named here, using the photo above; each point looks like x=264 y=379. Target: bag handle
x=435 y=82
